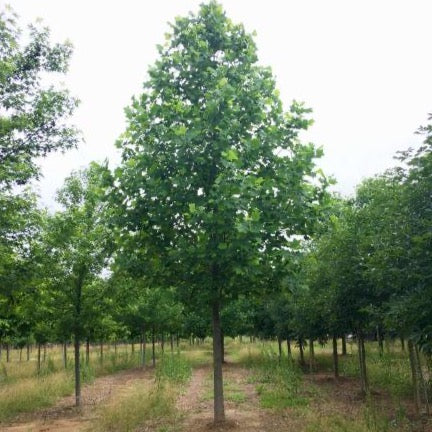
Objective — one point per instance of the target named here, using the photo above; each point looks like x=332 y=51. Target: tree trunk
x=302 y=361
x=288 y=347
x=222 y=347
x=153 y=348
x=219 y=411
x=380 y=341
x=133 y=348
x=87 y=351
x=28 y=352
x=144 y=346
x=280 y=347
x=335 y=357
x=39 y=358
x=101 y=352
x=7 y=353
x=344 y=349
x=421 y=380
x=44 y=353
x=65 y=355
x=178 y=340
x=77 y=371
x=311 y=355
x=414 y=376
x=402 y=339
x=163 y=342
x=172 y=342
x=362 y=363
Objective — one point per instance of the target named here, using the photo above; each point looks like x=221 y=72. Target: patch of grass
x=173 y=367
x=390 y=372
x=278 y=380
x=31 y=394
x=139 y=405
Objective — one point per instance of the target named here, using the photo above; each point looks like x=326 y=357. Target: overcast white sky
x=363 y=66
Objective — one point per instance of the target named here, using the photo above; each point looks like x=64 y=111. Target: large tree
x=77 y=246
x=214 y=181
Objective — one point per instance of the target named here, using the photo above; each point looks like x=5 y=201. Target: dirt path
x=65 y=417
x=242 y=406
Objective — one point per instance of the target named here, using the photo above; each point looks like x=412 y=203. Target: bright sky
x=364 y=66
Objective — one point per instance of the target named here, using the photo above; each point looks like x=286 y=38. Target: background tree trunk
x=219 y=411
x=77 y=370
x=335 y=357
x=344 y=349
x=288 y=347
x=302 y=361
x=153 y=348
x=416 y=387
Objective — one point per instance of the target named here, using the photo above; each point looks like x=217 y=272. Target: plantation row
x=217 y=221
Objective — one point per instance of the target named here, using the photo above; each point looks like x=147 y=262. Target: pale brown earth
x=65 y=417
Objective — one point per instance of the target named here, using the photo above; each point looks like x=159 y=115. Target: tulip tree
x=77 y=246
x=214 y=180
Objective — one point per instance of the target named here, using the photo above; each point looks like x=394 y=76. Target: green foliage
x=278 y=380
x=32 y=115
x=173 y=368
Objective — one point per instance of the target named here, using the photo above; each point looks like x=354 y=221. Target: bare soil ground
x=65 y=417
x=243 y=414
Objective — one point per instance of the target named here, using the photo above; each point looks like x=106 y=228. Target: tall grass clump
x=278 y=380
x=174 y=368
x=389 y=371
x=141 y=404
x=152 y=404
x=31 y=394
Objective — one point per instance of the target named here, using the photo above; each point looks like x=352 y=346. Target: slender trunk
x=87 y=351
x=344 y=348
x=302 y=361
x=414 y=376
x=219 y=411
x=288 y=347
x=362 y=362
x=223 y=346
x=39 y=358
x=402 y=339
x=28 y=352
x=380 y=341
x=280 y=347
x=172 y=342
x=335 y=357
x=366 y=381
x=311 y=355
x=7 y=353
x=133 y=347
x=178 y=341
x=101 y=352
x=143 y=359
x=65 y=355
x=44 y=353
x=20 y=354
x=153 y=348
x=163 y=342
x=421 y=380
x=77 y=370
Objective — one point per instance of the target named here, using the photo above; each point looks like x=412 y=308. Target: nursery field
x=263 y=392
